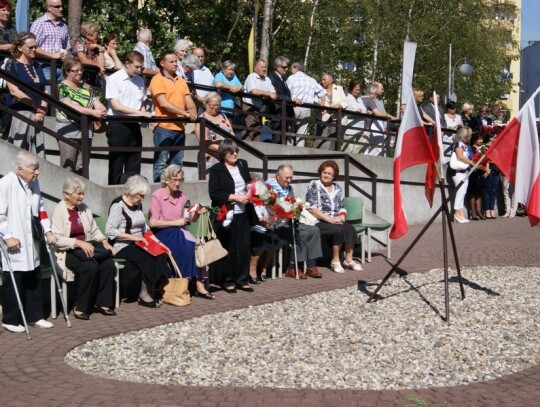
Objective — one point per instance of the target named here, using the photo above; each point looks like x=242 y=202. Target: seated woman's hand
x=108 y=247
x=140 y=238
x=86 y=247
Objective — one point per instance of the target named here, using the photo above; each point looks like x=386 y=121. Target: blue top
x=227 y=99
x=36 y=72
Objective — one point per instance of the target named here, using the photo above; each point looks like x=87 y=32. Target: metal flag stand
x=446 y=220
x=4 y=249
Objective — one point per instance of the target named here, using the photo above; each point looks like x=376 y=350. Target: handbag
x=456 y=164
x=306 y=217
x=99 y=126
x=37 y=229
x=208 y=249
x=100 y=253
x=176 y=291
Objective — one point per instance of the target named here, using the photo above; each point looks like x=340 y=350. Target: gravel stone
x=335 y=340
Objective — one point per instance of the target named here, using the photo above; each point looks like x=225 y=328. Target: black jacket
x=221 y=183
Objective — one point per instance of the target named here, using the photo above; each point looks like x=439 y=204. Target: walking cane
x=3 y=247
x=58 y=285
x=293 y=223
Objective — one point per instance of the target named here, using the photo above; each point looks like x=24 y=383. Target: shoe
x=252 y=280
x=459 y=219
x=261 y=278
x=512 y=215
x=245 y=288
x=475 y=217
x=336 y=267
x=14 y=328
x=206 y=295
x=147 y=304
x=230 y=289
x=292 y=273
x=481 y=217
x=313 y=272
x=505 y=215
x=42 y=324
x=109 y=311
x=81 y=315
x=354 y=266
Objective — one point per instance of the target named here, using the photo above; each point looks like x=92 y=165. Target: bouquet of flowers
x=480 y=151
x=261 y=194
x=289 y=208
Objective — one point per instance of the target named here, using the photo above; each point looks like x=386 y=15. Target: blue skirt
x=182 y=249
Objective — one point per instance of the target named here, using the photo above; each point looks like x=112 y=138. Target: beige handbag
x=208 y=249
x=176 y=291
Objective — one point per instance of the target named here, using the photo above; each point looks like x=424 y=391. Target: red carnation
x=222 y=213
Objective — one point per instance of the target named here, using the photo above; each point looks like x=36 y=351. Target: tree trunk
x=74 y=19
x=311 y=29
x=268 y=10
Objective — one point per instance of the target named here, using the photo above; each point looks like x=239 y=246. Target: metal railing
x=352 y=167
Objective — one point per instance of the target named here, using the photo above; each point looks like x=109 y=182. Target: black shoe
x=261 y=278
x=481 y=217
x=109 y=311
x=81 y=315
x=245 y=288
x=252 y=280
x=206 y=295
x=148 y=304
x=230 y=289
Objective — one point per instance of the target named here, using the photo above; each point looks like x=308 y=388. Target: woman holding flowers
x=325 y=198
x=227 y=186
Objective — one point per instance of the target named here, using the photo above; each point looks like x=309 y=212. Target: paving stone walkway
x=33 y=373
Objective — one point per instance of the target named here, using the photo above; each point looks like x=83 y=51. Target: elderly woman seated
x=168 y=215
x=83 y=250
x=326 y=203
x=143 y=272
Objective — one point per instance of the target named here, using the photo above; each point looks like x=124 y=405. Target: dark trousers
x=120 y=163
x=94 y=282
x=140 y=265
x=489 y=191
x=234 y=268
x=29 y=287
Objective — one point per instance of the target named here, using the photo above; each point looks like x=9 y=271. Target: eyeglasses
x=32 y=47
x=284 y=66
x=55 y=6
x=232 y=152
x=76 y=70
x=176 y=180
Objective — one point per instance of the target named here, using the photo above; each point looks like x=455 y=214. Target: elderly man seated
x=308 y=241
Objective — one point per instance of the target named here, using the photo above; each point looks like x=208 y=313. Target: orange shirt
x=175 y=90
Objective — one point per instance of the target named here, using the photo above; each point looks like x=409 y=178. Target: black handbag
x=100 y=252
x=37 y=229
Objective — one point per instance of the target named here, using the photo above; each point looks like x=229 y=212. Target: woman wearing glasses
x=227 y=187
x=80 y=96
x=167 y=217
x=23 y=135
x=212 y=113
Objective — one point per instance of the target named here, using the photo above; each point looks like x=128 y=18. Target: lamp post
x=465 y=70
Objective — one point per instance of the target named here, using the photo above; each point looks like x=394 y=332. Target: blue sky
x=530 y=28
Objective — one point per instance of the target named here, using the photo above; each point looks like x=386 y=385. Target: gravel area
x=336 y=340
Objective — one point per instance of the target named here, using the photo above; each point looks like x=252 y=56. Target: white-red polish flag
x=516 y=153
x=412 y=148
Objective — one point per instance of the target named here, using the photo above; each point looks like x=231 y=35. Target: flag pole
x=423 y=231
